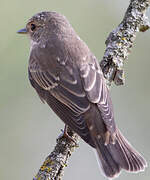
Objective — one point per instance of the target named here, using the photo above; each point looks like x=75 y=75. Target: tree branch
x=53 y=166
x=120 y=40
x=118 y=48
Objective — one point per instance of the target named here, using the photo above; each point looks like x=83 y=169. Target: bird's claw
x=65 y=134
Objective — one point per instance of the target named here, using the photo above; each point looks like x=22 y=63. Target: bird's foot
x=110 y=138
x=65 y=134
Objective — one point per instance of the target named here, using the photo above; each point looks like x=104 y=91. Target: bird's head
x=45 y=24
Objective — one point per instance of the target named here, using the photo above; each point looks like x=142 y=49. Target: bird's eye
x=32 y=27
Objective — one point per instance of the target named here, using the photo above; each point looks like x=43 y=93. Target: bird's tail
x=121 y=155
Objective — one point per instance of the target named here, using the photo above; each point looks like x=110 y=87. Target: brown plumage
x=67 y=76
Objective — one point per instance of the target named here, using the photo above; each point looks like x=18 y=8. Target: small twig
x=118 y=47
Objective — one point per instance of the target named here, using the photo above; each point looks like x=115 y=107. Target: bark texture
x=118 y=47
x=121 y=39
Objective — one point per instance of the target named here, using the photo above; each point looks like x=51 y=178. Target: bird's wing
x=64 y=94
x=66 y=87
x=76 y=86
x=97 y=91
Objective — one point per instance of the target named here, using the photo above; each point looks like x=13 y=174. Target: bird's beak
x=22 y=31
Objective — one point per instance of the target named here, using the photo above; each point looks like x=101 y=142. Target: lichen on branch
x=120 y=41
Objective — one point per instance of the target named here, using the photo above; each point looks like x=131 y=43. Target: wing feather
x=74 y=85
x=97 y=91
x=65 y=85
x=67 y=114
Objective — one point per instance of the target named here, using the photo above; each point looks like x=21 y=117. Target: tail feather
x=121 y=155
x=107 y=163
x=136 y=161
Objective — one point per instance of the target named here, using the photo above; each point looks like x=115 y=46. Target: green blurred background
x=28 y=128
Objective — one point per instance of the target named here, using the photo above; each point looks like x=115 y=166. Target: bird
x=67 y=76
